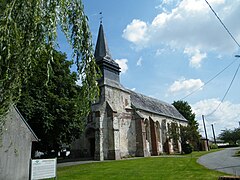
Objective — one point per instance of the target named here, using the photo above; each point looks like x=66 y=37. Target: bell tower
x=110 y=69
x=111 y=103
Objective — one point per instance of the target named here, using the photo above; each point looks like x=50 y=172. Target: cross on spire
x=101 y=17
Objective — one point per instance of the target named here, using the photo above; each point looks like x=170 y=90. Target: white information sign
x=43 y=168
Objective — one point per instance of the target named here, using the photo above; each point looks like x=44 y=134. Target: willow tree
x=28 y=28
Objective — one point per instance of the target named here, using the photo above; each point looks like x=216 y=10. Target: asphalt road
x=222 y=161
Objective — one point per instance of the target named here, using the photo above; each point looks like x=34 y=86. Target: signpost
x=43 y=168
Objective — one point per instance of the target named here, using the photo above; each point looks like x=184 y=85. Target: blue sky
x=169 y=48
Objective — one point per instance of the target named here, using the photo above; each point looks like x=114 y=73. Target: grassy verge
x=184 y=167
x=237 y=153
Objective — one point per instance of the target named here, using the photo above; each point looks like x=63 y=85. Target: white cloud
x=160 y=51
x=219 y=56
x=136 y=32
x=123 y=64
x=227 y=116
x=185 y=86
x=133 y=89
x=139 y=62
x=189 y=24
x=196 y=57
x=166 y=3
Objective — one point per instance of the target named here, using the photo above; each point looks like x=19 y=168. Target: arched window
x=147 y=130
x=158 y=132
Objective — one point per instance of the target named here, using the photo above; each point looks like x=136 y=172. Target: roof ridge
x=146 y=103
x=163 y=102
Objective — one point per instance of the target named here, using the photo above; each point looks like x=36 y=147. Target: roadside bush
x=187 y=148
x=237 y=153
x=213 y=146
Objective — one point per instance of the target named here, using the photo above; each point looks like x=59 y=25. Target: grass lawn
x=184 y=167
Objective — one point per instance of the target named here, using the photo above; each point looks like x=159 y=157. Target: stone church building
x=124 y=123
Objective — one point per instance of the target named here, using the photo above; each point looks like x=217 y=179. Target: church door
x=92 y=146
x=90 y=136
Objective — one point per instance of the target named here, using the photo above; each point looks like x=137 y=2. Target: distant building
x=124 y=123
x=15 y=147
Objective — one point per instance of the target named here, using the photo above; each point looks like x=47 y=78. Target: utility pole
x=214 y=134
x=205 y=131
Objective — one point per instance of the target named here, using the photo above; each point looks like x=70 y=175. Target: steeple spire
x=110 y=69
x=102 y=50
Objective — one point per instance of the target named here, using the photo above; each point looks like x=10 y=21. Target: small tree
x=173 y=133
x=185 y=134
x=189 y=133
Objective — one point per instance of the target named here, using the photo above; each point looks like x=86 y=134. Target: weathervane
x=101 y=17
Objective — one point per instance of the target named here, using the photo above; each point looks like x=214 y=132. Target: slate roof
x=156 y=106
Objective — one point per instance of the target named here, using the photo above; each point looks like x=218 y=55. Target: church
x=123 y=123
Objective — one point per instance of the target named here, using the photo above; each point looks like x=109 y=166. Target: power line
x=224 y=68
x=208 y=80
x=225 y=27
x=226 y=91
x=223 y=24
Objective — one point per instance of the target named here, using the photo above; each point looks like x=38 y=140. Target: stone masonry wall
x=161 y=125
x=123 y=124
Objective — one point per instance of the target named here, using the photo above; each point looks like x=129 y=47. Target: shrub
x=187 y=148
x=237 y=153
x=213 y=146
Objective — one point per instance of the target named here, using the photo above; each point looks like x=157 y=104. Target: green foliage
x=185 y=109
x=237 y=153
x=213 y=146
x=189 y=133
x=230 y=136
x=28 y=28
x=52 y=110
x=187 y=148
x=173 y=133
x=185 y=133
x=173 y=130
